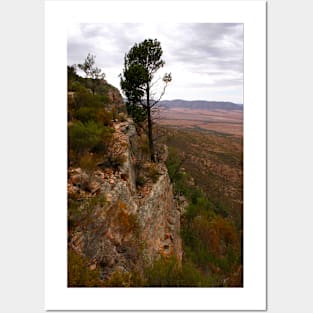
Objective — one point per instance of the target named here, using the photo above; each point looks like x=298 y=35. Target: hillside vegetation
x=206 y=170
x=124 y=226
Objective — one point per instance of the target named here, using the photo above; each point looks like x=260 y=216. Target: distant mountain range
x=201 y=104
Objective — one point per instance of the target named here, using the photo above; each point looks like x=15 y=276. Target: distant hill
x=201 y=104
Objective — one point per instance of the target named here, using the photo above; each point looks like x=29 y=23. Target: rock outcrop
x=122 y=225
x=160 y=219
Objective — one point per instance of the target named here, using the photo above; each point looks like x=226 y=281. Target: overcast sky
x=206 y=60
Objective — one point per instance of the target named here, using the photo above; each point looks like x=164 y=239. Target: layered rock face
x=125 y=225
x=160 y=219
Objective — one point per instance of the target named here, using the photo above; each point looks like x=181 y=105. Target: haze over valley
x=211 y=116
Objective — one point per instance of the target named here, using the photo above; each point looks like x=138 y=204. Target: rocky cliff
x=123 y=217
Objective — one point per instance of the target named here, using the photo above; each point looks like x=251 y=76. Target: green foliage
x=85 y=106
x=119 y=279
x=211 y=242
x=84 y=137
x=210 y=161
x=93 y=74
x=79 y=275
x=134 y=80
x=163 y=273
x=140 y=65
x=168 y=272
x=83 y=97
x=71 y=73
x=138 y=113
x=89 y=68
x=193 y=277
x=74 y=82
x=173 y=164
x=125 y=279
x=74 y=86
x=85 y=114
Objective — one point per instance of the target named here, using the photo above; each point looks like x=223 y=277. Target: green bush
x=105 y=116
x=173 y=164
x=138 y=113
x=84 y=137
x=163 y=273
x=84 y=97
x=168 y=272
x=85 y=114
x=79 y=275
x=89 y=107
x=74 y=86
x=125 y=279
x=191 y=276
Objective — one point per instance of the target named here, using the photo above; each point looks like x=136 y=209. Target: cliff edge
x=122 y=213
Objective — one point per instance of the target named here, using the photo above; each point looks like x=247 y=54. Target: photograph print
x=155 y=155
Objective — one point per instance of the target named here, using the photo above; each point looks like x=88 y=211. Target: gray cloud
x=212 y=45
x=199 y=55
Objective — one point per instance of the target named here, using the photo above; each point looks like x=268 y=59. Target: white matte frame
x=59 y=15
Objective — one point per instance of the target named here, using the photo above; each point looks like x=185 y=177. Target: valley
x=206 y=166
x=227 y=122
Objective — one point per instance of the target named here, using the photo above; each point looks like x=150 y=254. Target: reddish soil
x=222 y=121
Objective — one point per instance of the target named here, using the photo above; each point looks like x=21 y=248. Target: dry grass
x=216 y=164
x=221 y=121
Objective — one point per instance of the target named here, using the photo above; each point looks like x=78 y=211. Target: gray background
x=290 y=156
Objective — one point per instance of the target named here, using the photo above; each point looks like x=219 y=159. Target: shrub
x=168 y=272
x=138 y=113
x=163 y=273
x=119 y=279
x=85 y=114
x=153 y=172
x=84 y=137
x=86 y=106
x=125 y=279
x=191 y=276
x=79 y=275
x=74 y=86
x=105 y=116
x=223 y=236
x=83 y=97
x=173 y=164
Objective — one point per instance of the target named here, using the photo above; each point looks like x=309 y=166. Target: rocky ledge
x=118 y=224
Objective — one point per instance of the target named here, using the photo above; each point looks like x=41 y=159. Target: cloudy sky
x=206 y=60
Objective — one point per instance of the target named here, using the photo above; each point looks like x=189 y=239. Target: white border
x=58 y=15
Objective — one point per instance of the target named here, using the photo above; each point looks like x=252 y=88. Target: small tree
x=93 y=73
x=137 y=82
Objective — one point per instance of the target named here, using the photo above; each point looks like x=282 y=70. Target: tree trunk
x=151 y=147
